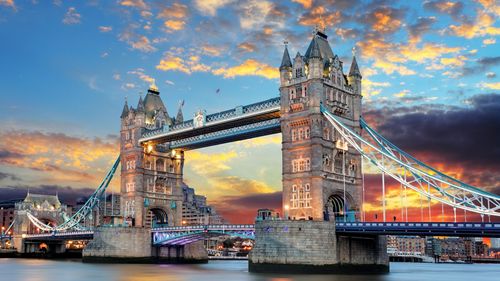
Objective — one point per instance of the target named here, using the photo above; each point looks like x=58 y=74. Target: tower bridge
x=324 y=227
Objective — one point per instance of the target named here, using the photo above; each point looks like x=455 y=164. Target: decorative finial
x=153 y=86
x=354 y=51
x=140 y=94
x=126 y=97
x=181 y=103
x=322 y=23
x=286 y=43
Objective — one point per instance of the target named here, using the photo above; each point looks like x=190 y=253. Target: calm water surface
x=49 y=270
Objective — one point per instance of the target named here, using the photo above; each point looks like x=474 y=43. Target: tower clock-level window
x=130 y=187
x=307 y=133
x=301 y=165
x=294 y=134
x=294 y=188
x=301 y=134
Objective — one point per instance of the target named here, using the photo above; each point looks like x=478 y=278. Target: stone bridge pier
x=313 y=247
x=134 y=245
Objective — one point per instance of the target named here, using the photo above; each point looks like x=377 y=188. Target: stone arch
x=335 y=207
x=157 y=217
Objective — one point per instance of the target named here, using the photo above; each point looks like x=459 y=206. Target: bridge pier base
x=191 y=253
x=119 y=245
x=133 y=245
x=313 y=247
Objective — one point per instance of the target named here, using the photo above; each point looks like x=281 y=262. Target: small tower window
x=298 y=72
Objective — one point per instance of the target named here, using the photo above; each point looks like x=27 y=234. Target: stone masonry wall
x=119 y=244
x=294 y=242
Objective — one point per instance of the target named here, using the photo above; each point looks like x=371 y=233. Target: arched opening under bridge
x=336 y=208
x=157 y=217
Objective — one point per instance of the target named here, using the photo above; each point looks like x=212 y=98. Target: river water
x=50 y=270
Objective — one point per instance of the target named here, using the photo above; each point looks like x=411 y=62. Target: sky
x=430 y=85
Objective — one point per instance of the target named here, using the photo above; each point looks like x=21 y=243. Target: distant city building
x=405 y=246
x=7 y=209
x=46 y=208
x=456 y=247
x=109 y=209
x=195 y=210
x=495 y=243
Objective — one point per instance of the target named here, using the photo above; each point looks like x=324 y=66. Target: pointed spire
x=354 y=71
x=125 y=109
x=315 y=51
x=286 y=61
x=180 y=117
x=140 y=104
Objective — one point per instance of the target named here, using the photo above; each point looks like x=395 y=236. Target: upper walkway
x=239 y=123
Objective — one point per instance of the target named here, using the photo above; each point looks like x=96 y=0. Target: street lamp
x=286 y=211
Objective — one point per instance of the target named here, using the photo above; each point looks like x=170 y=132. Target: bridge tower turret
x=320 y=172
x=354 y=79
x=151 y=174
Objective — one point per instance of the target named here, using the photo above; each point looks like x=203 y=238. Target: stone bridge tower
x=318 y=166
x=151 y=175
x=320 y=173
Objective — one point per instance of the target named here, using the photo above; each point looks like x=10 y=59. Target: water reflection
x=49 y=270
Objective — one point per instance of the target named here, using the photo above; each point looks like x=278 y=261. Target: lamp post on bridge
x=285 y=214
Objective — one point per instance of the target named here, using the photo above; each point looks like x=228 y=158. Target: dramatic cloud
x=174 y=16
x=137 y=41
x=140 y=4
x=177 y=60
x=8 y=3
x=418 y=29
x=249 y=67
x=139 y=72
x=481 y=65
x=305 y=3
x=320 y=16
x=247 y=47
x=492 y=86
x=482 y=26
x=210 y=7
x=12 y=177
x=454 y=9
x=105 y=28
x=72 y=17
x=243 y=208
x=463 y=138
x=385 y=20
x=66 y=194
x=57 y=156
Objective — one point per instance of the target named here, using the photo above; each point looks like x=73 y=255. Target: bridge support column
x=119 y=245
x=190 y=253
x=313 y=247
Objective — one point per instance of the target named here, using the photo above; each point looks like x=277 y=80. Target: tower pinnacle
x=286 y=62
